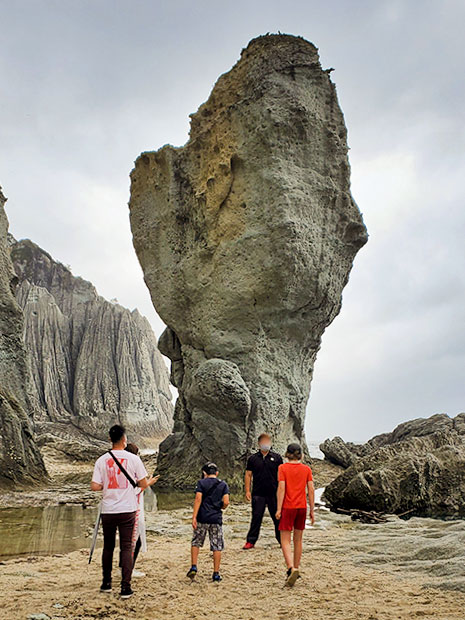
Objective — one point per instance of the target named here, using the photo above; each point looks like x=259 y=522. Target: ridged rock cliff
x=20 y=459
x=92 y=362
x=246 y=236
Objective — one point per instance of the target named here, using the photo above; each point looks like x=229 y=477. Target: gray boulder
x=92 y=362
x=419 y=468
x=20 y=459
x=342 y=453
x=246 y=236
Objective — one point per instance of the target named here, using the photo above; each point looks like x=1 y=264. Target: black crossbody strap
x=212 y=489
x=122 y=470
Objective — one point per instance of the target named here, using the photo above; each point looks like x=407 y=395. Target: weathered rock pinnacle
x=246 y=236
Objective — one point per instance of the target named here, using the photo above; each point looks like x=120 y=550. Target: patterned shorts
x=215 y=533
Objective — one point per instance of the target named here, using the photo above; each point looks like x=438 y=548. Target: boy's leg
x=298 y=534
x=198 y=538
x=286 y=547
x=215 y=532
x=258 y=510
x=216 y=561
x=194 y=555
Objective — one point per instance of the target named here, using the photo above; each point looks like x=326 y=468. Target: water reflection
x=167 y=500
x=47 y=530
x=44 y=530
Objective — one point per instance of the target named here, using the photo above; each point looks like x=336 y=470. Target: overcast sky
x=89 y=84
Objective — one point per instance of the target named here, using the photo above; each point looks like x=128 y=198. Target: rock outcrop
x=92 y=362
x=343 y=453
x=246 y=236
x=419 y=468
x=20 y=459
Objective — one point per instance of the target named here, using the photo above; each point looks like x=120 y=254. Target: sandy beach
x=331 y=587
x=342 y=577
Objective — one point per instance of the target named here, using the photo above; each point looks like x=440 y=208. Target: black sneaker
x=192 y=572
x=216 y=577
x=126 y=592
x=105 y=587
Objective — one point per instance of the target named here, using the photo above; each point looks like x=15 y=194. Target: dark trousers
x=136 y=553
x=259 y=503
x=123 y=522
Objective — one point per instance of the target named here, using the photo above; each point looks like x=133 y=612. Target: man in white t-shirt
x=119 y=504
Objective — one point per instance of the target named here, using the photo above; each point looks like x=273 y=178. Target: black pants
x=259 y=503
x=123 y=522
x=136 y=553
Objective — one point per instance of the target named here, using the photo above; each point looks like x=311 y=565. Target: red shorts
x=292 y=519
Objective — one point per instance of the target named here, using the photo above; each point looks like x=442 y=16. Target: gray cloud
x=87 y=86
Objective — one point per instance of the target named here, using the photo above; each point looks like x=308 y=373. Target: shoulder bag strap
x=212 y=489
x=122 y=470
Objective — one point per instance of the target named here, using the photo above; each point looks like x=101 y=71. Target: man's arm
x=281 y=493
x=225 y=501
x=97 y=479
x=143 y=483
x=311 y=499
x=247 y=482
x=197 y=502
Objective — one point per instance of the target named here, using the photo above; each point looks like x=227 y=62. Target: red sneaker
x=248 y=545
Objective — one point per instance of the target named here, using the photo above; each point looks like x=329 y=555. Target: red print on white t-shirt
x=116 y=479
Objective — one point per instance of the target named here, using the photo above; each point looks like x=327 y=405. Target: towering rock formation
x=20 y=459
x=92 y=362
x=246 y=236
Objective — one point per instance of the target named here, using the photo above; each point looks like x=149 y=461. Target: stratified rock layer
x=20 y=459
x=92 y=362
x=419 y=468
x=246 y=236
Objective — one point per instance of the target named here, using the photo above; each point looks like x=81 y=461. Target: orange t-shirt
x=295 y=475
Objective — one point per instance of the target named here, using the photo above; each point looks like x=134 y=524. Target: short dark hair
x=132 y=448
x=116 y=433
x=263 y=435
x=210 y=468
x=294 y=451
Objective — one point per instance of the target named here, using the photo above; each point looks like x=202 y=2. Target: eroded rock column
x=246 y=236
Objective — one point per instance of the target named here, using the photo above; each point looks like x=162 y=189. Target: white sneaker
x=138 y=573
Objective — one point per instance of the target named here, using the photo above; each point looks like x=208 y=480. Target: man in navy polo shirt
x=262 y=472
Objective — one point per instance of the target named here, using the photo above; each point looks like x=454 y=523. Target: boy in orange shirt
x=295 y=481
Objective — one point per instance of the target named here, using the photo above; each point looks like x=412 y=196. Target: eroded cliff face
x=20 y=459
x=92 y=362
x=246 y=236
